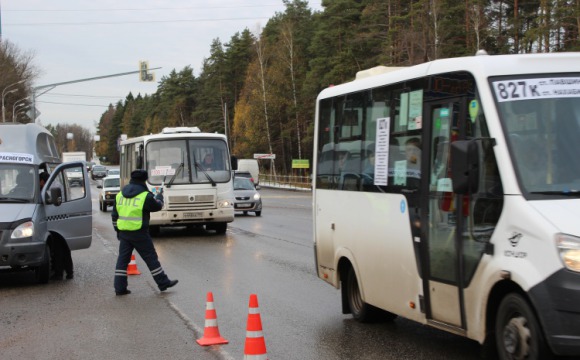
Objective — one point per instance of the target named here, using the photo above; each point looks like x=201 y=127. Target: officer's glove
x=159 y=197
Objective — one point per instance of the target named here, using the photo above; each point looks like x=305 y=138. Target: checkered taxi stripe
x=57 y=217
x=67 y=216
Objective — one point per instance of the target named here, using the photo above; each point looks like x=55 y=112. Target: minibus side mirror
x=55 y=196
x=465 y=166
x=234 y=162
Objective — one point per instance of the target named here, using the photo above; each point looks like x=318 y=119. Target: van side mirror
x=465 y=166
x=54 y=197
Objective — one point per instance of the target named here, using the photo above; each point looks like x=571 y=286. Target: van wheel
x=517 y=332
x=42 y=272
x=358 y=307
x=258 y=213
x=360 y=310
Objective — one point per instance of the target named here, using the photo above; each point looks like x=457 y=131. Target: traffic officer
x=130 y=217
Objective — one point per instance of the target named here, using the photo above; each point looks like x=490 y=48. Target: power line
x=88 y=96
x=143 y=9
x=130 y=22
x=71 y=104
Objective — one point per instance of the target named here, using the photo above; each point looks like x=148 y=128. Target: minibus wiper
x=558 y=192
x=197 y=165
x=174 y=175
x=13 y=199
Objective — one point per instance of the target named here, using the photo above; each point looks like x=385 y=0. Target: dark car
x=246 y=196
x=244 y=174
x=98 y=172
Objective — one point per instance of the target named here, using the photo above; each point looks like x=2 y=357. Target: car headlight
x=23 y=230
x=569 y=247
x=256 y=196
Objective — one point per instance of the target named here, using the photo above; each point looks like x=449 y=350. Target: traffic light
x=144 y=74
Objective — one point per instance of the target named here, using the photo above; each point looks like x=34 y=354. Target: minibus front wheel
x=42 y=272
x=517 y=332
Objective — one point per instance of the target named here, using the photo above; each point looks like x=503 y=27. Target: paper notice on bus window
x=415 y=110
x=162 y=171
x=400 y=177
x=382 y=152
x=404 y=111
x=16 y=158
x=543 y=88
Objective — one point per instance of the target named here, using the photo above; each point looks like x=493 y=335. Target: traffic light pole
x=49 y=87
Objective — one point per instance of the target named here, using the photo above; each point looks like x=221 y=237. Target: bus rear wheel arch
x=518 y=334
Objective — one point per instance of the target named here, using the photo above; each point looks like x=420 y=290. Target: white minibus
x=196 y=193
x=448 y=193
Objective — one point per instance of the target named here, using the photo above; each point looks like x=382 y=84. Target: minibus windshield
x=188 y=161
x=541 y=121
x=18 y=183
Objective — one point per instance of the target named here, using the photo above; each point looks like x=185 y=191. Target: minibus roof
x=29 y=139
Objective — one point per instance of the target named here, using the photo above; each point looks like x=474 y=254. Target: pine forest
x=260 y=87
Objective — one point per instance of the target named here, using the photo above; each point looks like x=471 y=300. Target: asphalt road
x=270 y=256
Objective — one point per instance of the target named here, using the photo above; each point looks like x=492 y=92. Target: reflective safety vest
x=130 y=211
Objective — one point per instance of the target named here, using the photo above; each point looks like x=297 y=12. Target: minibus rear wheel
x=359 y=309
x=42 y=272
x=517 y=332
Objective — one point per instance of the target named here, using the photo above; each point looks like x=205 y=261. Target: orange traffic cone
x=211 y=333
x=132 y=268
x=255 y=348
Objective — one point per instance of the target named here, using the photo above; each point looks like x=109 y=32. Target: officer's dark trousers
x=142 y=242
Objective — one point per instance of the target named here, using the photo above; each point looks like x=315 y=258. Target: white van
x=32 y=219
x=250 y=165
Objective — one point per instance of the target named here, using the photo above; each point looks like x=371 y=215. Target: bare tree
x=17 y=71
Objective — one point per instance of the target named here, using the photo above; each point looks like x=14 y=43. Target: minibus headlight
x=224 y=204
x=569 y=247
x=23 y=230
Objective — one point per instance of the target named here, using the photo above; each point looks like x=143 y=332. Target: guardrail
x=286 y=182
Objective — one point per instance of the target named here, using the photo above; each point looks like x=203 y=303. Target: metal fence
x=286 y=182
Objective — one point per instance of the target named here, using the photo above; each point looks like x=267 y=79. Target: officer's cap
x=139 y=175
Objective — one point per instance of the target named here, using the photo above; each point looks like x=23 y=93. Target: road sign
x=264 y=156
x=300 y=164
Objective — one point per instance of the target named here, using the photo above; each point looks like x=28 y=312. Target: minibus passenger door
x=444 y=212
x=72 y=218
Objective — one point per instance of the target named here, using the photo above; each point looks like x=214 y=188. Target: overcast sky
x=79 y=39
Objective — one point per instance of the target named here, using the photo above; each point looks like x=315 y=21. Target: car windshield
x=108 y=183
x=242 y=183
x=542 y=134
x=18 y=183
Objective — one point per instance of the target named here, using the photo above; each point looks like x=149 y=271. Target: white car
x=75 y=176
x=111 y=172
x=109 y=190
